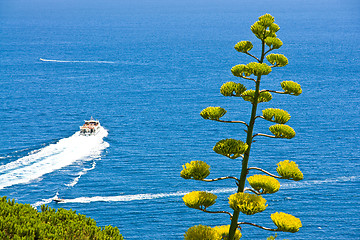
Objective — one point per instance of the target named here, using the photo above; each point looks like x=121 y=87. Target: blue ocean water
x=146 y=69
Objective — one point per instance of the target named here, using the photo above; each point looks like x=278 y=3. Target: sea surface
x=146 y=69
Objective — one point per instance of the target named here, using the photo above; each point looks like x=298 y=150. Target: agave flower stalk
x=240 y=202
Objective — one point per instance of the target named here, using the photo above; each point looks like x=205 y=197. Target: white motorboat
x=90 y=127
x=58 y=200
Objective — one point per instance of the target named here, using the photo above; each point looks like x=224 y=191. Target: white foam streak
x=139 y=197
x=45 y=201
x=123 y=198
x=53 y=157
x=83 y=172
x=64 y=61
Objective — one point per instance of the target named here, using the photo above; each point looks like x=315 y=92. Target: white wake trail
x=83 y=172
x=53 y=157
x=149 y=196
x=74 y=61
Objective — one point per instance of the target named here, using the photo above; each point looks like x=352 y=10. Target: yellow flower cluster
x=213 y=113
x=276 y=115
x=197 y=170
x=264 y=183
x=247 y=203
x=278 y=60
x=289 y=170
x=265 y=27
x=282 y=131
x=224 y=232
x=230 y=148
x=286 y=222
x=255 y=68
x=291 y=87
x=250 y=94
x=273 y=42
x=232 y=89
x=201 y=232
x=259 y=68
x=243 y=46
x=199 y=199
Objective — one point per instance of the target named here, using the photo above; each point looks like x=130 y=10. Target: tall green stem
x=249 y=139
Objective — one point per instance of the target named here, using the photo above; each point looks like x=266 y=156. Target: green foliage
x=289 y=170
x=197 y=170
x=199 y=199
x=277 y=60
x=243 y=46
x=264 y=184
x=282 y=131
x=213 y=113
x=286 y=222
x=249 y=96
x=21 y=221
x=247 y=203
x=201 y=232
x=224 y=232
x=291 y=87
x=232 y=89
x=230 y=148
x=276 y=115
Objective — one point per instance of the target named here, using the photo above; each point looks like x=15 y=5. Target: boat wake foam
x=125 y=62
x=83 y=172
x=53 y=157
x=64 y=61
x=150 y=196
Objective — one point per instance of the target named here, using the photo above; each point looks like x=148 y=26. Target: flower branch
x=214 y=212
x=218 y=120
x=220 y=178
x=252 y=56
x=255 y=225
x=262 y=170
